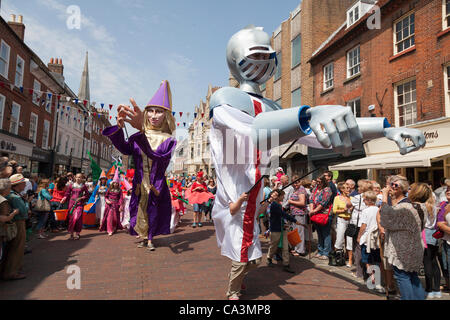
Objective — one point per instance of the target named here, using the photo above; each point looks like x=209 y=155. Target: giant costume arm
x=115 y=134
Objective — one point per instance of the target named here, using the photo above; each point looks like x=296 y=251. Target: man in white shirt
x=287 y=192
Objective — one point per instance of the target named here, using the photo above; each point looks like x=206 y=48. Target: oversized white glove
x=341 y=129
x=399 y=134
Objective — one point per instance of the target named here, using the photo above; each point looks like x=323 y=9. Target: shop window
x=45 y=134
x=15 y=119
x=353 y=62
x=447 y=89
x=328 y=76
x=20 y=67
x=33 y=127
x=404 y=33
x=296 y=98
x=278 y=72
x=4 y=59
x=2 y=110
x=406 y=103
x=356 y=106
x=446 y=13
x=296 y=51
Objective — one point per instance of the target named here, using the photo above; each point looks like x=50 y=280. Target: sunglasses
x=395 y=185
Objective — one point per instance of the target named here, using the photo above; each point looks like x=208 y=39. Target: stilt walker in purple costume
x=77 y=194
x=151 y=148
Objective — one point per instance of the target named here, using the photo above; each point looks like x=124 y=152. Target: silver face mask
x=250 y=57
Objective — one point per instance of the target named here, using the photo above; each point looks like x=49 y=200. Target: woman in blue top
x=43 y=215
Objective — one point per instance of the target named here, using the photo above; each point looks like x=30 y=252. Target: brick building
x=29 y=93
x=307 y=27
x=399 y=70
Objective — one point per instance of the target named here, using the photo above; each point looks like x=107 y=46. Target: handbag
x=352 y=230
x=438 y=234
x=11 y=231
x=42 y=205
x=320 y=218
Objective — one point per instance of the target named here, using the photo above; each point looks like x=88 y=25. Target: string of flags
x=59 y=101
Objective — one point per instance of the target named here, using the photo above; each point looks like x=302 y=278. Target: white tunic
x=237 y=235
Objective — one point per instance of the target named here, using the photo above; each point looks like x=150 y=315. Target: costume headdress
x=162 y=97
x=116 y=177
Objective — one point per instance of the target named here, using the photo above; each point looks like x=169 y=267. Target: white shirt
x=359 y=206
x=287 y=195
x=369 y=218
x=28 y=186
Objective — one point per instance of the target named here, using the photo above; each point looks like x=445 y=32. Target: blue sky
x=134 y=44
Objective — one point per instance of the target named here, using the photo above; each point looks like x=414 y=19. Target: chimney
x=56 y=66
x=17 y=26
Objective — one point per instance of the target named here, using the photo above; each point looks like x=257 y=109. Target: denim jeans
x=42 y=220
x=324 y=235
x=409 y=285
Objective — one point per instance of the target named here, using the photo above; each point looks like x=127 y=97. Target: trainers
x=269 y=262
x=142 y=244
x=200 y=225
x=437 y=294
x=379 y=289
x=194 y=225
x=430 y=295
x=151 y=247
x=288 y=269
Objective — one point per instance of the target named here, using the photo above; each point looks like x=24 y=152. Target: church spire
x=84 y=93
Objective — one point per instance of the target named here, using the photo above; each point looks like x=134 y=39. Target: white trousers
x=341 y=226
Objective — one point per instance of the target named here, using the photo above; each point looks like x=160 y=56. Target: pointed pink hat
x=127 y=185
x=116 y=177
x=162 y=97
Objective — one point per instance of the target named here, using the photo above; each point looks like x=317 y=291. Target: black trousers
x=431 y=267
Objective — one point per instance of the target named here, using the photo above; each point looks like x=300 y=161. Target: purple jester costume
x=151 y=150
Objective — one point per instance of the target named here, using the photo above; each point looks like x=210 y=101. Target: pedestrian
x=5 y=169
x=77 y=194
x=263 y=218
x=430 y=257
x=15 y=249
x=358 y=207
x=197 y=195
x=440 y=192
x=279 y=174
x=443 y=224
x=298 y=208
x=288 y=190
x=320 y=203
x=42 y=214
x=342 y=208
x=403 y=222
x=368 y=237
x=114 y=204
x=212 y=188
x=6 y=216
x=351 y=184
x=278 y=230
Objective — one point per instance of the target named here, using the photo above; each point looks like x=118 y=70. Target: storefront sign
x=41 y=155
x=60 y=159
x=15 y=145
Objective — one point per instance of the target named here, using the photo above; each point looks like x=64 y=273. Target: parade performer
x=178 y=202
x=151 y=148
x=99 y=194
x=245 y=126
x=77 y=194
x=197 y=195
x=114 y=203
x=125 y=212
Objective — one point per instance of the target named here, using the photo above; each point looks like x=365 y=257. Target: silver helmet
x=250 y=57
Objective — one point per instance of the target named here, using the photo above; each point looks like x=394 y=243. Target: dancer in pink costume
x=114 y=200
x=77 y=194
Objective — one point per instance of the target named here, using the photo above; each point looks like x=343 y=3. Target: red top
x=196 y=185
x=58 y=195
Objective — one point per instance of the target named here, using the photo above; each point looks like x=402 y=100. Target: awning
x=421 y=158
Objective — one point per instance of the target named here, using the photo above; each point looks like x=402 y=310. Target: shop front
x=75 y=165
x=41 y=162
x=292 y=158
x=16 y=149
x=61 y=164
x=428 y=164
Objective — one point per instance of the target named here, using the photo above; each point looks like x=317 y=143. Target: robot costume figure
x=245 y=126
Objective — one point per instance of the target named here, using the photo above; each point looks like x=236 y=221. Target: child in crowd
x=368 y=236
x=276 y=227
x=114 y=202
